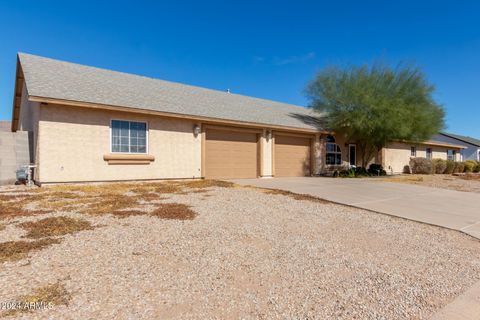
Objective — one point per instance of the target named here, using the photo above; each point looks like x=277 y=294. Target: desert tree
x=373 y=105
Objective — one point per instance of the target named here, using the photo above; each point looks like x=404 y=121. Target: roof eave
x=169 y=114
x=17 y=95
x=433 y=143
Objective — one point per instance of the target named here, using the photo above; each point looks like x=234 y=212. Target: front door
x=352 y=154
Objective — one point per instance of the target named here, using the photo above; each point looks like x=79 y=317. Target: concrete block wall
x=15 y=151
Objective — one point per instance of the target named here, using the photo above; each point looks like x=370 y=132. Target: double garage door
x=236 y=155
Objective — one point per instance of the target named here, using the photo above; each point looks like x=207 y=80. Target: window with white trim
x=333 y=152
x=451 y=155
x=429 y=153
x=413 y=151
x=129 y=136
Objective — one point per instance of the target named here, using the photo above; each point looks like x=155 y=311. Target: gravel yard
x=466 y=183
x=212 y=250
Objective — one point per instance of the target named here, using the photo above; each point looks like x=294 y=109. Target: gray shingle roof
x=466 y=139
x=56 y=79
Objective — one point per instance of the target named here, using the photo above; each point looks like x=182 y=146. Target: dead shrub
x=421 y=165
x=108 y=204
x=177 y=211
x=206 y=183
x=469 y=166
x=17 y=250
x=54 y=226
x=148 y=196
x=128 y=213
x=12 y=197
x=439 y=166
x=296 y=196
x=9 y=210
x=471 y=177
x=198 y=191
x=85 y=188
x=459 y=167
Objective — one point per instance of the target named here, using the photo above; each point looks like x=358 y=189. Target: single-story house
x=472 y=145
x=91 y=124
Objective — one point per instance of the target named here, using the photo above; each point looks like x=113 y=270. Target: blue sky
x=258 y=48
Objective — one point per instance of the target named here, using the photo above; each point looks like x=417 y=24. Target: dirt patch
x=54 y=226
x=17 y=250
x=48 y=296
x=177 y=211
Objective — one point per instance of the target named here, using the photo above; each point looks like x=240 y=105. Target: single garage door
x=230 y=154
x=292 y=156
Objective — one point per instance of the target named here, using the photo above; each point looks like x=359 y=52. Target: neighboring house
x=91 y=124
x=472 y=145
x=397 y=155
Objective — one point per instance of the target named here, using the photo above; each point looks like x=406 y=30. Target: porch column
x=318 y=152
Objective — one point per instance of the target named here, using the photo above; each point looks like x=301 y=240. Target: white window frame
x=335 y=153
x=431 y=153
x=454 y=155
x=129 y=122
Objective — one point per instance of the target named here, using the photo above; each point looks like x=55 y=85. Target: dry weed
x=296 y=196
x=54 y=226
x=177 y=211
x=47 y=296
x=17 y=250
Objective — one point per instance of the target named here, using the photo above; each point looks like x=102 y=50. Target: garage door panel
x=230 y=154
x=292 y=156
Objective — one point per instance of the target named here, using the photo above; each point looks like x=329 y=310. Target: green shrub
x=376 y=169
x=477 y=167
x=450 y=167
x=421 y=165
x=353 y=173
x=470 y=165
x=361 y=172
x=459 y=167
x=439 y=166
x=350 y=173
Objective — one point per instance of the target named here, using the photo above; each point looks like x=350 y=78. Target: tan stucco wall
x=267 y=155
x=74 y=140
x=398 y=155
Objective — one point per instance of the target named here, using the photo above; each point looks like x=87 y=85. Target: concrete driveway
x=447 y=208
